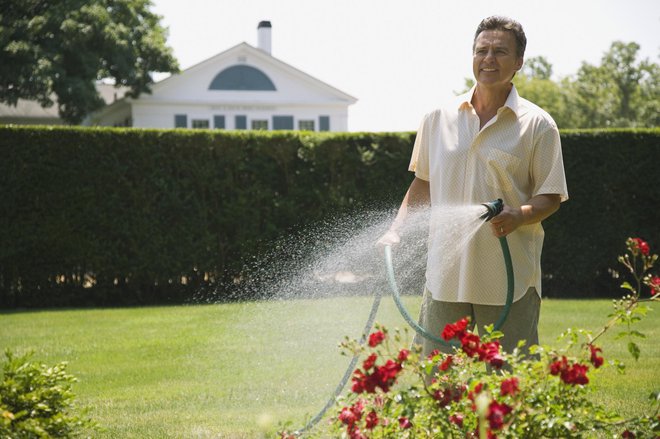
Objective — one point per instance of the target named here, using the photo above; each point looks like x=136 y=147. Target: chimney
x=263 y=36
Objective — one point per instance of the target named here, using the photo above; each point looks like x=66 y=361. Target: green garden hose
x=506 y=253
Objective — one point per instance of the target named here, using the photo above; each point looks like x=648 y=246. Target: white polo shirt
x=515 y=156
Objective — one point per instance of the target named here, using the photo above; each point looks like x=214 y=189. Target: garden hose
x=492 y=208
x=506 y=253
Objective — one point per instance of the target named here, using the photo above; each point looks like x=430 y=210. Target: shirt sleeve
x=419 y=161
x=548 y=165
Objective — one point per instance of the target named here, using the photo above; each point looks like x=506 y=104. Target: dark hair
x=497 y=22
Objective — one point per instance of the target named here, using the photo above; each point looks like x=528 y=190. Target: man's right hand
x=390 y=238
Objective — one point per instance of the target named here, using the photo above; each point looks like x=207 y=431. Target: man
x=489 y=143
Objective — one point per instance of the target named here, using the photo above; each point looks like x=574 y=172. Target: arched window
x=241 y=78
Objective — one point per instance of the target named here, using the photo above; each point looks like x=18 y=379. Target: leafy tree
x=537 y=67
x=622 y=92
x=60 y=48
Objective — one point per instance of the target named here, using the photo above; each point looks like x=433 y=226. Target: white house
x=241 y=88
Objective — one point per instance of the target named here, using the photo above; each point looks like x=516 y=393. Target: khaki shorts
x=520 y=324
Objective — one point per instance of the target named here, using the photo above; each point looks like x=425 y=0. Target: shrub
x=36 y=401
x=98 y=217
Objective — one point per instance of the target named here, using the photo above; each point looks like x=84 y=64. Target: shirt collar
x=512 y=101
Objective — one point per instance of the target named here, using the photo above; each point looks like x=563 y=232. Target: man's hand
x=390 y=238
x=534 y=211
x=506 y=222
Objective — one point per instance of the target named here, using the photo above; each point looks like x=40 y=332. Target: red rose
x=403 y=355
x=470 y=344
x=576 y=374
x=628 y=435
x=639 y=245
x=369 y=362
x=446 y=364
x=558 y=365
x=358 y=408
x=455 y=329
x=496 y=414
x=347 y=416
x=376 y=338
x=355 y=433
x=570 y=374
x=654 y=284
x=371 y=420
x=509 y=386
x=457 y=419
x=490 y=352
x=443 y=396
x=595 y=359
x=404 y=423
x=390 y=370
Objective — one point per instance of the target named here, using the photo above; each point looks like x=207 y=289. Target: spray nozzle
x=493 y=208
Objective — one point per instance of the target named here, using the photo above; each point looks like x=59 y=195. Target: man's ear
x=519 y=63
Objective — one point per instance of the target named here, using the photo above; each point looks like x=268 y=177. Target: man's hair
x=497 y=22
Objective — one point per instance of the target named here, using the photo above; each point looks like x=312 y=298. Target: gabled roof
x=253 y=52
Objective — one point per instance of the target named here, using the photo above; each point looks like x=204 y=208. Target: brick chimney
x=264 y=36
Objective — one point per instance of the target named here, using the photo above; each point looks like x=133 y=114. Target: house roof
x=264 y=57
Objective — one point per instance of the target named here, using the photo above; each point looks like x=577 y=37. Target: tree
x=621 y=91
x=537 y=67
x=60 y=48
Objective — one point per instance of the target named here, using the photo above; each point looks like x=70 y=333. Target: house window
x=306 y=125
x=180 y=121
x=240 y=122
x=219 y=122
x=324 y=123
x=241 y=77
x=282 y=122
x=200 y=123
x=259 y=124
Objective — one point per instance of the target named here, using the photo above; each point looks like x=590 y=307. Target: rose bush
x=479 y=391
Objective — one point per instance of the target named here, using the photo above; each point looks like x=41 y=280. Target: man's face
x=495 y=59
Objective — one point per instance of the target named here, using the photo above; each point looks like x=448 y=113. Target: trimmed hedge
x=130 y=216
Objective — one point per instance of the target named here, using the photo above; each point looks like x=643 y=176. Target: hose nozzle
x=493 y=208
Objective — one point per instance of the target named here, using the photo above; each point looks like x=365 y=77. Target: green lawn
x=237 y=370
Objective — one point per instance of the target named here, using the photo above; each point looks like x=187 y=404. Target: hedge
x=94 y=217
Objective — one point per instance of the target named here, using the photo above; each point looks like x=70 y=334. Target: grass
x=237 y=370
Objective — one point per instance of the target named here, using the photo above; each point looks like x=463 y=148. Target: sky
x=401 y=59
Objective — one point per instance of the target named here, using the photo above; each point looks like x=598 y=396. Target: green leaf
x=627 y=286
x=637 y=334
x=621 y=335
x=634 y=350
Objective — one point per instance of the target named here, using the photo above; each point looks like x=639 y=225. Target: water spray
x=493 y=208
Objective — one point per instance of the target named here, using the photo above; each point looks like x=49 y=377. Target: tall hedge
x=614 y=194
x=130 y=216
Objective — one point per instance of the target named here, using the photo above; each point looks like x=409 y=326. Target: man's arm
x=418 y=196
x=533 y=211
